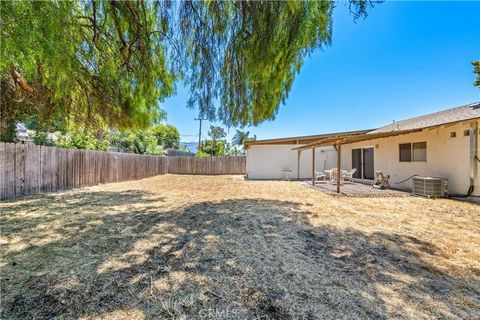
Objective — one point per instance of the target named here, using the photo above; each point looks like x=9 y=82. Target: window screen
x=405 y=152
x=419 y=151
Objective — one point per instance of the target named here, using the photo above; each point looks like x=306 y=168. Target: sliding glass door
x=368 y=172
x=362 y=160
x=357 y=163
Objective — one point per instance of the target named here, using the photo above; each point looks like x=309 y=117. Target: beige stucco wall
x=267 y=161
x=446 y=157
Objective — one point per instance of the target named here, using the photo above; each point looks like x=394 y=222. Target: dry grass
x=219 y=247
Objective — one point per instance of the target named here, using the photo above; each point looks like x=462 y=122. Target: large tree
x=218 y=135
x=112 y=62
x=98 y=62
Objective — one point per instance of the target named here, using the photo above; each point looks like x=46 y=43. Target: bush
x=202 y=154
x=141 y=141
x=167 y=136
x=41 y=138
x=80 y=138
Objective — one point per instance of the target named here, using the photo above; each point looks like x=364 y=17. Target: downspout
x=474 y=160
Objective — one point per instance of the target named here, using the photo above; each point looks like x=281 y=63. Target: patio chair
x=285 y=174
x=348 y=175
x=333 y=176
x=320 y=175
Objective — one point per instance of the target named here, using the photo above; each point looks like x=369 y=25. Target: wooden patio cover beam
x=339 y=170
x=313 y=166
x=345 y=139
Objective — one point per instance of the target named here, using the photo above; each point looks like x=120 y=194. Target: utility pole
x=199 y=131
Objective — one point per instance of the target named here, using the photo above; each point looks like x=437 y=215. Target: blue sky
x=405 y=59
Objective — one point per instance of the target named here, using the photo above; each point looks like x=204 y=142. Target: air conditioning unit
x=429 y=186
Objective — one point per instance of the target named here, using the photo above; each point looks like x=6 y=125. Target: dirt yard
x=205 y=247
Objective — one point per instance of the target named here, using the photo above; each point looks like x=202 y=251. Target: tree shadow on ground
x=123 y=254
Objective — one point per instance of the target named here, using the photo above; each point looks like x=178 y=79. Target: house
x=267 y=158
x=24 y=135
x=441 y=144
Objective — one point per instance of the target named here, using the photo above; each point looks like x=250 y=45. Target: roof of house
x=454 y=115
x=300 y=139
x=462 y=113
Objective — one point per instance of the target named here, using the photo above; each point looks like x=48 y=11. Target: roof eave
x=354 y=138
x=346 y=139
x=297 y=140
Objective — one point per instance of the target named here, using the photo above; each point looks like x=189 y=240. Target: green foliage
x=246 y=54
x=217 y=133
x=167 y=136
x=82 y=138
x=218 y=146
x=476 y=70
x=240 y=137
x=8 y=131
x=202 y=154
x=140 y=141
x=31 y=123
x=214 y=148
x=93 y=61
x=122 y=140
x=146 y=143
x=183 y=147
x=235 y=151
x=110 y=63
x=41 y=138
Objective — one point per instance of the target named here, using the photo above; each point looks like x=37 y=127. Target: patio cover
x=351 y=138
x=469 y=112
x=337 y=142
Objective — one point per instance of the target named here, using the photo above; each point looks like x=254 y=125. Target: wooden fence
x=29 y=169
x=207 y=165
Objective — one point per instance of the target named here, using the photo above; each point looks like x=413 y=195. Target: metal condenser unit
x=430 y=186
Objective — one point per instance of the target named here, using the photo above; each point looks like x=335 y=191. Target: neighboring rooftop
x=302 y=139
x=462 y=113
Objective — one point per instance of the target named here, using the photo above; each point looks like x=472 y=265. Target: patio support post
x=313 y=166
x=298 y=164
x=339 y=169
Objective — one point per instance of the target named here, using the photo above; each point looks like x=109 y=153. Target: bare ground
x=204 y=247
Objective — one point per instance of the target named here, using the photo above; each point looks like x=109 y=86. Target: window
x=453 y=134
x=419 y=151
x=405 y=152
x=416 y=151
x=466 y=133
